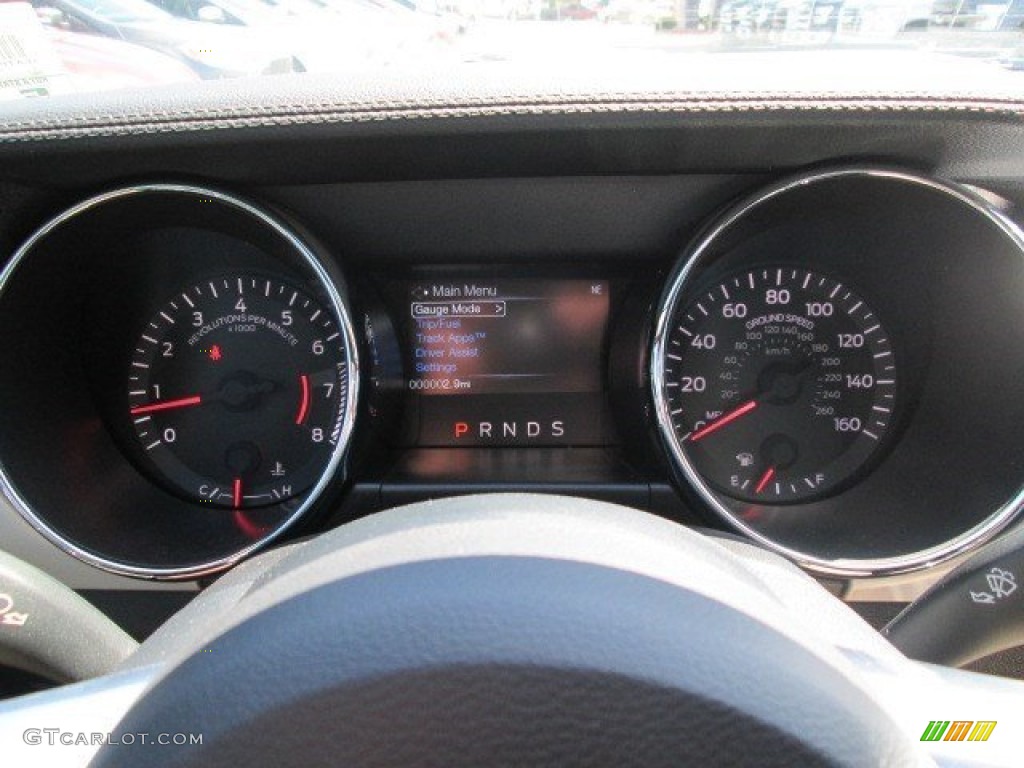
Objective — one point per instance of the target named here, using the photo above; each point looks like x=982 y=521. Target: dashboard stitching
x=385 y=111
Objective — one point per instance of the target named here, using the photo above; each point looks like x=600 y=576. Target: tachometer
x=237 y=391
x=777 y=384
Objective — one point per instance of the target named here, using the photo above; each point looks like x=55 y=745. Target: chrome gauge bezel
x=326 y=283
x=676 y=292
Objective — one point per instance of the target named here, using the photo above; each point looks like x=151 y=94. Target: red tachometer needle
x=765 y=479
x=165 y=405
x=237 y=493
x=720 y=422
x=304 y=403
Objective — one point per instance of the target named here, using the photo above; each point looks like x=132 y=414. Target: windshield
x=47 y=45
x=120 y=11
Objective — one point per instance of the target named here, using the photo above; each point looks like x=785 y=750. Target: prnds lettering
x=509 y=430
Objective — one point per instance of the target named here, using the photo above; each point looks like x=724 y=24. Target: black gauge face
x=237 y=391
x=779 y=384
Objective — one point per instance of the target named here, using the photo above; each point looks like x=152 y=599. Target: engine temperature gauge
x=237 y=391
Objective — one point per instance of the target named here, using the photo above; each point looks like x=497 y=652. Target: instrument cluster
x=831 y=367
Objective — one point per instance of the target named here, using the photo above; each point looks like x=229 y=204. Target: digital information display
x=507 y=361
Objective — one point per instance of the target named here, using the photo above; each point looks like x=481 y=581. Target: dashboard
x=207 y=375
x=799 y=327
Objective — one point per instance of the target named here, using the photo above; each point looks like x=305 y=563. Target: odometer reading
x=237 y=391
x=779 y=383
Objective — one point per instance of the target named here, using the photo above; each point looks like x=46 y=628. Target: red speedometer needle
x=237 y=493
x=720 y=422
x=765 y=479
x=165 y=405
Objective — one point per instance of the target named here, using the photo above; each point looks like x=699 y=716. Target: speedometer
x=776 y=385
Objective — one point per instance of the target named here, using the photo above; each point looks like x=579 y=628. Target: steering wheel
x=48 y=630
x=517 y=630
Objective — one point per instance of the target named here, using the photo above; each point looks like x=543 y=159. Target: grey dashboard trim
x=293 y=114
x=675 y=288
x=335 y=465
x=780 y=83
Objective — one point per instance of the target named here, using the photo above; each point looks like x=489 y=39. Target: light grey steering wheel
x=514 y=630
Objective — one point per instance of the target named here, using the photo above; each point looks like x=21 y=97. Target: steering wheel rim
x=508 y=630
x=49 y=630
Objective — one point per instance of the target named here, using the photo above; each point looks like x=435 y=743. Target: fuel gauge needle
x=765 y=479
x=166 y=405
x=721 y=421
